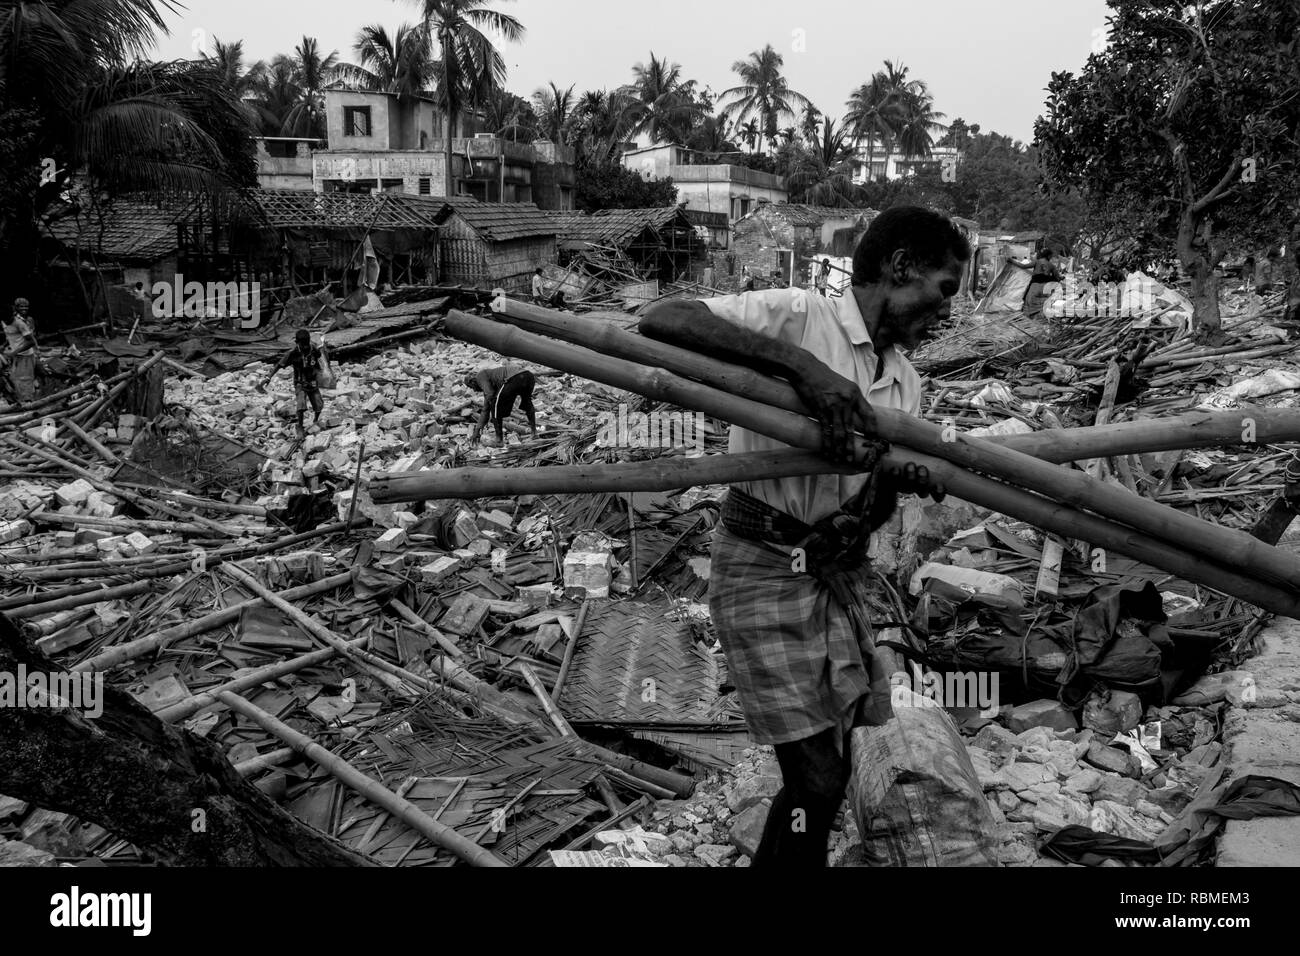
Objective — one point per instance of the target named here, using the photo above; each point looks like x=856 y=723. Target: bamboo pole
x=437 y=833
x=1051 y=515
x=92 y=443
x=425 y=628
x=569 y=650
x=319 y=631
x=93 y=596
x=122 y=525
x=912 y=434
x=211 y=698
x=121 y=653
x=246 y=768
x=110 y=488
x=1197 y=429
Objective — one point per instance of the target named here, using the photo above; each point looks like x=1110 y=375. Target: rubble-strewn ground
x=488 y=579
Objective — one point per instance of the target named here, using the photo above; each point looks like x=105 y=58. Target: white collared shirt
x=833 y=330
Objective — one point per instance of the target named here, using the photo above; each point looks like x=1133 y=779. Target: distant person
x=501 y=386
x=20 y=351
x=305 y=360
x=1044 y=273
x=1248 y=272
x=1266 y=273
x=823 y=278
x=539 y=288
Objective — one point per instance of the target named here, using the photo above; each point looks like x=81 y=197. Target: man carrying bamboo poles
x=788 y=576
x=309 y=364
x=502 y=386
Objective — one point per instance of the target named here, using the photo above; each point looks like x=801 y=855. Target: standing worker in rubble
x=788 y=578
x=20 y=351
x=501 y=386
x=823 y=278
x=306 y=361
x=1044 y=274
x=539 y=288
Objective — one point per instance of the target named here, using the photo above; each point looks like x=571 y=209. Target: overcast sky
x=985 y=62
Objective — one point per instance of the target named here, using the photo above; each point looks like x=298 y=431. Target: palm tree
x=312 y=73
x=275 y=94
x=896 y=110
x=110 y=122
x=750 y=134
x=821 y=172
x=506 y=113
x=713 y=135
x=554 y=109
x=666 y=109
x=809 y=123
x=603 y=120
x=471 y=65
x=871 y=116
x=764 y=93
x=400 y=63
x=919 y=123
x=228 y=58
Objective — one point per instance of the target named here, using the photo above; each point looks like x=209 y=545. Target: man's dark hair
x=927 y=237
x=303 y=337
x=538 y=272
x=1045 y=254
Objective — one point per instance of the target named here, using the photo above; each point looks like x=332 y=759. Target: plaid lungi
x=798 y=643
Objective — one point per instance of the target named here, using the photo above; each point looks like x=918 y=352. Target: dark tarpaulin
x=1193 y=832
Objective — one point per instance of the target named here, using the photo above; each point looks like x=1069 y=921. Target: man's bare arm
x=837 y=402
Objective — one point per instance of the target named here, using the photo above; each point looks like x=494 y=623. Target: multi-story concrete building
x=876 y=165
x=379 y=141
x=707 y=187
x=284 y=162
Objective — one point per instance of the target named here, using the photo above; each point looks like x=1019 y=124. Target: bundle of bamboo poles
x=1014 y=476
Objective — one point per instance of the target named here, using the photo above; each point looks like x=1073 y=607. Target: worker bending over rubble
x=307 y=362
x=789 y=570
x=501 y=386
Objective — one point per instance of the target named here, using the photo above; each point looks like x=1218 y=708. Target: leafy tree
x=611 y=185
x=1185 y=129
x=764 y=93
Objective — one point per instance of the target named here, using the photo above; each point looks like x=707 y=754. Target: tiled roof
x=802 y=214
x=616 y=227
x=501 y=222
x=130 y=231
